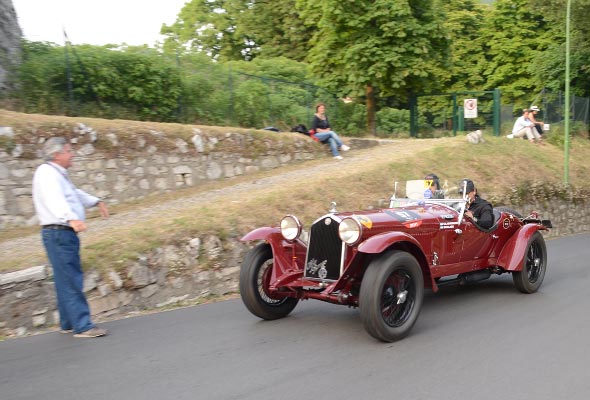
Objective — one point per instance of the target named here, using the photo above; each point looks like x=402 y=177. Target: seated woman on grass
x=320 y=128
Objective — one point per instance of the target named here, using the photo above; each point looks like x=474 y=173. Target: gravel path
x=31 y=245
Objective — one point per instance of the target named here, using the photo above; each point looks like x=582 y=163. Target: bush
x=392 y=122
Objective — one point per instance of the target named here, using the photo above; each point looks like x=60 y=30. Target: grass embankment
x=358 y=182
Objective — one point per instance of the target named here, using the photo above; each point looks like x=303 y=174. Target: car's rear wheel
x=534 y=265
x=391 y=295
x=255 y=275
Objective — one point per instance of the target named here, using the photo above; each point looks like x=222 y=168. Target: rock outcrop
x=10 y=43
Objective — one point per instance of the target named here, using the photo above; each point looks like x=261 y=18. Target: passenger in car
x=433 y=191
x=479 y=210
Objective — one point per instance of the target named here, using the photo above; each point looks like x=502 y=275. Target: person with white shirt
x=523 y=126
x=60 y=209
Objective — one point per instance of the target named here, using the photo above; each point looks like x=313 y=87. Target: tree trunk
x=371 y=112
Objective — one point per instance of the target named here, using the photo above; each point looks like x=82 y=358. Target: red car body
x=407 y=247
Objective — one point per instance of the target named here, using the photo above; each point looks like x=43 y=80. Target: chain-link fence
x=552 y=114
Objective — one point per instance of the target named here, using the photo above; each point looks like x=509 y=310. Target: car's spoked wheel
x=391 y=295
x=530 y=278
x=262 y=282
x=398 y=298
x=255 y=275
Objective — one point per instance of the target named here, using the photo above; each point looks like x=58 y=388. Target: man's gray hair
x=52 y=146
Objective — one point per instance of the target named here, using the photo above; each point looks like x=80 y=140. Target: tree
x=277 y=28
x=550 y=66
x=361 y=47
x=241 y=29
x=210 y=26
x=512 y=38
x=463 y=23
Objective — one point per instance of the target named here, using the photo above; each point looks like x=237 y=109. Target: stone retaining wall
x=173 y=275
x=143 y=165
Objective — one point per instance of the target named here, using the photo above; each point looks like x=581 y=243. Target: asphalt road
x=486 y=341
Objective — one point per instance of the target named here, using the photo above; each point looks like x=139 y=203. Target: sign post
x=470 y=108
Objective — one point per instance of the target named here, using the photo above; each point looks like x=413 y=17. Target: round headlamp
x=350 y=231
x=290 y=227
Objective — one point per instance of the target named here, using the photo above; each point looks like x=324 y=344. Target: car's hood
x=409 y=217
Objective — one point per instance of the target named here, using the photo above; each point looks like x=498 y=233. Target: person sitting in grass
x=321 y=130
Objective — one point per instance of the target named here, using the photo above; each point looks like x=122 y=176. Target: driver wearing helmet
x=479 y=210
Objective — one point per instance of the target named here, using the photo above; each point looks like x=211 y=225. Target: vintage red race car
x=381 y=260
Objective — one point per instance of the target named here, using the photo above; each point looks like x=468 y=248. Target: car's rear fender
x=514 y=250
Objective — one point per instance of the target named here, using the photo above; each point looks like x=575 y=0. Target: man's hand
x=104 y=211
x=77 y=225
x=469 y=214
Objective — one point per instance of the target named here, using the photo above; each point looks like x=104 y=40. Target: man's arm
x=486 y=219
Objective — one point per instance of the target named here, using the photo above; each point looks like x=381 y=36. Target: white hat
x=535 y=108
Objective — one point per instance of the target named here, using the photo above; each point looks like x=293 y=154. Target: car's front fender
x=289 y=257
x=263 y=233
x=269 y=234
x=378 y=243
x=514 y=250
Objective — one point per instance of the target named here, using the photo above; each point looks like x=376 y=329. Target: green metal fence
x=449 y=113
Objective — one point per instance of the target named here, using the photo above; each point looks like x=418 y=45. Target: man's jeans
x=63 y=251
x=333 y=140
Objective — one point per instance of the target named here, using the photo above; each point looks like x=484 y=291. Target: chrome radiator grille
x=324 y=253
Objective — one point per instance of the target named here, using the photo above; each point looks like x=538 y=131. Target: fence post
x=455 y=116
x=231 y=97
x=496 y=112
x=413 y=116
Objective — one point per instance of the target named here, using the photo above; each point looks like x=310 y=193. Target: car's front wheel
x=255 y=275
x=534 y=265
x=391 y=295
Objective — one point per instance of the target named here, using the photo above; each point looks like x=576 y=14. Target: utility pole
x=566 y=175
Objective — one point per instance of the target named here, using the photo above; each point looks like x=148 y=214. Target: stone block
x=39 y=320
x=148 y=291
x=116 y=280
x=99 y=305
x=30 y=274
x=139 y=275
x=90 y=280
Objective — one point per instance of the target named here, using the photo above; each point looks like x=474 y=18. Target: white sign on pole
x=470 y=108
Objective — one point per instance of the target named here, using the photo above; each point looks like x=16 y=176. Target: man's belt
x=58 y=227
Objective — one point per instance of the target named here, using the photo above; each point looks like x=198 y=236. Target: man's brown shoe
x=91 y=333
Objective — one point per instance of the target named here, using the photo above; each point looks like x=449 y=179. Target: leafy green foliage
x=511 y=39
x=138 y=78
x=551 y=63
x=463 y=23
x=241 y=29
x=393 y=122
x=360 y=46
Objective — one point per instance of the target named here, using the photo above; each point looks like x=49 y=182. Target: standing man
x=60 y=209
x=479 y=210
